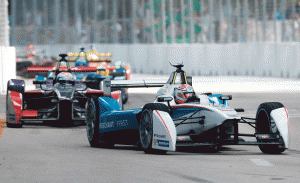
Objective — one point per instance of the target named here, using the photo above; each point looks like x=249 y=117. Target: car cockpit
x=179 y=86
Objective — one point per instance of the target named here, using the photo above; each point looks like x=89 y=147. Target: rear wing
x=52 y=69
x=107 y=86
x=73 y=59
x=90 y=57
x=138 y=85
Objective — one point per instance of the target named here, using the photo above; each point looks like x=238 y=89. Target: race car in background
x=118 y=70
x=100 y=60
x=59 y=100
x=32 y=58
x=179 y=117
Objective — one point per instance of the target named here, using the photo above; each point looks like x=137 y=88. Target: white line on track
x=261 y=162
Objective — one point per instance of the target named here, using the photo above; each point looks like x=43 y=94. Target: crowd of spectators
x=218 y=25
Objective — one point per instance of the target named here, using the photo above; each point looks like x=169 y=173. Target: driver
x=65 y=77
x=185 y=93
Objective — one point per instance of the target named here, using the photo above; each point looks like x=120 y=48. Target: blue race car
x=179 y=117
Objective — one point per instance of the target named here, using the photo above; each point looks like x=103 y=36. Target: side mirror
x=189 y=80
x=164 y=99
x=225 y=97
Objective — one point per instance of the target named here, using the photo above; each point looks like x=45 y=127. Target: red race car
x=60 y=100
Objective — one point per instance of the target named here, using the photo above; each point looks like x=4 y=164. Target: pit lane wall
x=7 y=65
x=241 y=59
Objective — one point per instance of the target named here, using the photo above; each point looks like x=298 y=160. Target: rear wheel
x=266 y=125
x=92 y=125
x=124 y=95
x=146 y=127
x=121 y=100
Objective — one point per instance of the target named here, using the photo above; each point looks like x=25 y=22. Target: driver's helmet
x=182 y=93
x=65 y=77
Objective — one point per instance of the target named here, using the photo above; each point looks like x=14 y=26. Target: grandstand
x=153 y=21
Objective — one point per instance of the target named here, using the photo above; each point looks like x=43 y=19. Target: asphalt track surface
x=37 y=153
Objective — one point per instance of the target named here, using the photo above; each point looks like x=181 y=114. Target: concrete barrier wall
x=240 y=59
x=7 y=65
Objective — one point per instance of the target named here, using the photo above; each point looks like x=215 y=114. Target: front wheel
x=266 y=125
x=13 y=85
x=146 y=127
x=92 y=124
x=10 y=125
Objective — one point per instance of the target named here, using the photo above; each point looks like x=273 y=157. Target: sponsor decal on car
x=160 y=136
x=113 y=124
x=162 y=143
x=232 y=115
x=155 y=143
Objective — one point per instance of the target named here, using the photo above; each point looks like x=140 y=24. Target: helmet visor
x=186 y=94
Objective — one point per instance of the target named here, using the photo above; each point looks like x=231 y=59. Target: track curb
x=2 y=125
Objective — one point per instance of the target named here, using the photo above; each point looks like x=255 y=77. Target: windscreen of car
x=178 y=78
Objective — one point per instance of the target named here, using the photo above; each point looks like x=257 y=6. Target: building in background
x=153 y=21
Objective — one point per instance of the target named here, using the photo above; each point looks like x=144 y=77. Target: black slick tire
x=124 y=95
x=265 y=125
x=16 y=86
x=92 y=124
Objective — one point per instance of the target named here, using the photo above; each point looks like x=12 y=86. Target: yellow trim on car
x=174 y=77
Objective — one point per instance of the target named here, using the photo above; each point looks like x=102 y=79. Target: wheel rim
x=263 y=122
x=146 y=129
x=121 y=101
x=267 y=127
x=123 y=96
x=273 y=127
x=90 y=122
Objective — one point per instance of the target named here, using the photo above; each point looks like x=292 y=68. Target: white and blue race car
x=204 y=119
